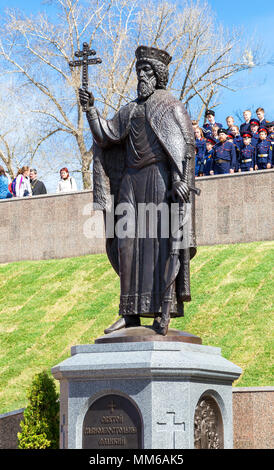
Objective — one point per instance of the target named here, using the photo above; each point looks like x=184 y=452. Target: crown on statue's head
x=144 y=53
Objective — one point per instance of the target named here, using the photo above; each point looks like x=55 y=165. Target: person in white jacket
x=23 y=188
x=67 y=183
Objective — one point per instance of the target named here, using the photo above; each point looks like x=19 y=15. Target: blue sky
x=257 y=19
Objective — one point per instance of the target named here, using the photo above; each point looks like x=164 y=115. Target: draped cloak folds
x=171 y=124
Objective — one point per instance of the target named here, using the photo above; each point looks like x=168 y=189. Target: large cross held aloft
x=85 y=62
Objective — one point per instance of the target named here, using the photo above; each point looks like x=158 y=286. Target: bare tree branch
x=205 y=57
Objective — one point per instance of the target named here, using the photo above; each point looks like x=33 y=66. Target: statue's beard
x=145 y=88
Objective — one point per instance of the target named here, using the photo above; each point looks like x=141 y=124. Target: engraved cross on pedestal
x=172 y=426
x=112 y=406
x=85 y=62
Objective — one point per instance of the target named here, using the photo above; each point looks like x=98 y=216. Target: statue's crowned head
x=152 y=69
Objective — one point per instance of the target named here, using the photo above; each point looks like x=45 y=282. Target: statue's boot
x=156 y=322
x=124 y=322
x=163 y=327
x=160 y=325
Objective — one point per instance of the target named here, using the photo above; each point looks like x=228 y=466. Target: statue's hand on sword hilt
x=180 y=190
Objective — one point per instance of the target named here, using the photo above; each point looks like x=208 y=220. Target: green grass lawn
x=48 y=306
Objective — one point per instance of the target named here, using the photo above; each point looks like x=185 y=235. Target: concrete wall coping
x=233 y=175
x=252 y=389
x=12 y=413
x=62 y=225
x=45 y=196
x=201 y=178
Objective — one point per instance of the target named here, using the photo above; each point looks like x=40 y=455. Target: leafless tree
x=40 y=51
x=205 y=58
x=19 y=133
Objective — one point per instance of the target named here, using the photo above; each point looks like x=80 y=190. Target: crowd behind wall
x=219 y=150
x=230 y=149
x=27 y=183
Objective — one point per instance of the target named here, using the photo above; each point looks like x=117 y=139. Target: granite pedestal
x=160 y=394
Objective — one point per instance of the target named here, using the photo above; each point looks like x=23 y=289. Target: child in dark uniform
x=245 y=126
x=208 y=160
x=247 y=153
x=254 y=127
x=270 y=137
x=263 y=151
x=261 y=118
x=200 y=144
x=208 y=127
x=238 y=141
x=234 y=137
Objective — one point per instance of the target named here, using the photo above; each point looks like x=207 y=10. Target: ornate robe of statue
x=138 y=154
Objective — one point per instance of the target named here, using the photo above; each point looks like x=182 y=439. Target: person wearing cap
x=208 y=159
x=229 y=137
x=270 y=127
x=254 y=127
x=147 y=152
x=245 y=126
x=207 y=128
x=247 y=153
x=224 y=155
x=263 y=158
x=270 y=137
x=36 y=185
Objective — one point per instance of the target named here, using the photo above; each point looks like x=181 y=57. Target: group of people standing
x=20 y=186
x=222 y=150
x=26 y=183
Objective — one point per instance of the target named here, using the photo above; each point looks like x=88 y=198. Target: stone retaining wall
x=253 y=414
x=9 y=427
x=231 y=209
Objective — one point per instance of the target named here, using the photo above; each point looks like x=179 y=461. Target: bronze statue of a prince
x=146 y=154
